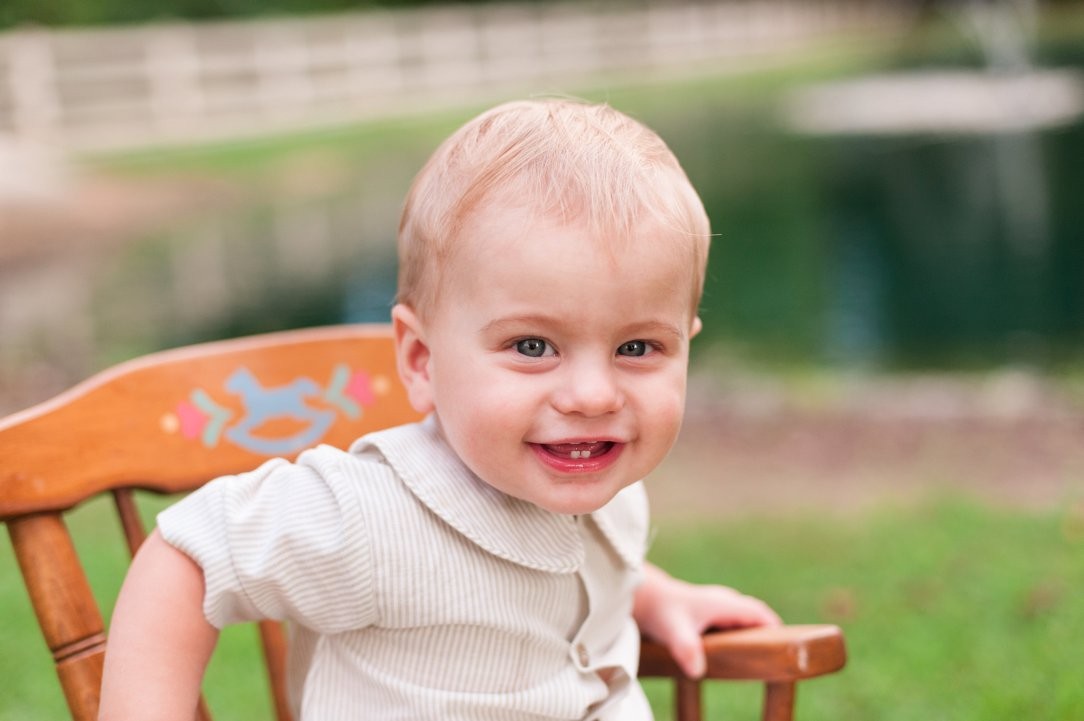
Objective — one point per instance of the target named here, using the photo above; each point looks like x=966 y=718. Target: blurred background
x=886 y=416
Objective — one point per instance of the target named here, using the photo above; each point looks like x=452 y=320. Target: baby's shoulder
x=336 y=466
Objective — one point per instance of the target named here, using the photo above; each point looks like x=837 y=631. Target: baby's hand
x=676 y=613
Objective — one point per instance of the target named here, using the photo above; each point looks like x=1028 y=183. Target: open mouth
x=578 y=451
x=580 y=457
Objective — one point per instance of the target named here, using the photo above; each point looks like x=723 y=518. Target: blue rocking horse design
x=200 y=416
x=264 y=404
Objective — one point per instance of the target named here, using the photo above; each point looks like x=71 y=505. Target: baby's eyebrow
x=649 y=328
x=655 y=328
x=528 y=319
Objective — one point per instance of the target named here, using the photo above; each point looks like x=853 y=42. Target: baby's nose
x=589 y=389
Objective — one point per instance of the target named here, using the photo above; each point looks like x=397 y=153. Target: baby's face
x=557 y=368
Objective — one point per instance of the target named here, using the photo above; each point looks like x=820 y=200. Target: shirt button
x=582 y=655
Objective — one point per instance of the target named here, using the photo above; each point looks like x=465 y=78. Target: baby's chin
x=575 y=502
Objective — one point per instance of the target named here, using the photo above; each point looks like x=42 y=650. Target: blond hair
x=574 y=161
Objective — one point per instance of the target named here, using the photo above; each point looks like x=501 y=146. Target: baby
x=488 y=562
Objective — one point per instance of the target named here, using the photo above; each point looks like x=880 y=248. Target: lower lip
x=578 y=465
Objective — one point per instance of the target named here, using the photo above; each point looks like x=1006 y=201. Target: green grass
x=236 y=687
x=952 y=611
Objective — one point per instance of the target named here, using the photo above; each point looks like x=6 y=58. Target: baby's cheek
x=669 y=415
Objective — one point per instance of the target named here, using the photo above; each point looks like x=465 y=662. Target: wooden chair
x=173 y=420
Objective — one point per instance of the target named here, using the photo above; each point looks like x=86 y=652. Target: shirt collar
x=624 y=523
x=506 y=527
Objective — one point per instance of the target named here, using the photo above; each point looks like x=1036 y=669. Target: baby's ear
x=412 y=357
x=698 y=326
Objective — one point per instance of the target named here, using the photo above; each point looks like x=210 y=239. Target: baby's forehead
x=501 y=228
x=509 y=218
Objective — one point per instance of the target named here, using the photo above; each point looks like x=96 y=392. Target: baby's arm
x=159 y=641
x=676 y=613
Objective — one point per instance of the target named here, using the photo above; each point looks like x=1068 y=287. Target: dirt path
x=1010 y=441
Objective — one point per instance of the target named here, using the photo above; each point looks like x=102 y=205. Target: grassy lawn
x=952 y=611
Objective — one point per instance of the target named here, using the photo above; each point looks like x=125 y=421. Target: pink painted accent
x=192 y=419
x=361 y=389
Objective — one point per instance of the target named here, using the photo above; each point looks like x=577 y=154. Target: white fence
x=112 y=88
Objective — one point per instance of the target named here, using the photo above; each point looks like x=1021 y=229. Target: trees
x=97 y=12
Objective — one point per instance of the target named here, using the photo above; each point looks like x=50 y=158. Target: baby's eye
x=633 y=348
x=533 y=347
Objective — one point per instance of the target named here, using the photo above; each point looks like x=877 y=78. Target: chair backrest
x=168 y=423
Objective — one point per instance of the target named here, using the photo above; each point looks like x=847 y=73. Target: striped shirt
x=416 y=591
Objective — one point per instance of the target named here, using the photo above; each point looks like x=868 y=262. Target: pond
x=912 y=251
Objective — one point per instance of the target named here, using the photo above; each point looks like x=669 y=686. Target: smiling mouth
x=578 y=451
x=578 y=458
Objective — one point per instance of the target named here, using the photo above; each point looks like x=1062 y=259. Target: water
x=921 y=249
x=901 y=252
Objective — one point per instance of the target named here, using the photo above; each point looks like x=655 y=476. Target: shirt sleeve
x=286 y=541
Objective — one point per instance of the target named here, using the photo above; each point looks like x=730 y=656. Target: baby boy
x=488 y=562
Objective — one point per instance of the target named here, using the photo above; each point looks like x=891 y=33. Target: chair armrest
x=785 y=653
